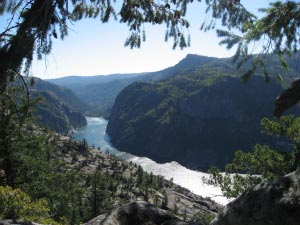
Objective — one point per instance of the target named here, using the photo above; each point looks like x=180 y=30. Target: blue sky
x=93 y=48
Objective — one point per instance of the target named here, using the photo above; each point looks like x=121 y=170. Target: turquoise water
x=95 y=135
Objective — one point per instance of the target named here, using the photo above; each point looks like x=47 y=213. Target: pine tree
x=14 y=118
x=269 y=164
x=165 y=201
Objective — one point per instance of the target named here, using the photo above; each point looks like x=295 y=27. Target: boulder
x=275 y=203
x=137 y=213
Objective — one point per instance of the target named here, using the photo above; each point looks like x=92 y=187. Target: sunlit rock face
x=276 y=203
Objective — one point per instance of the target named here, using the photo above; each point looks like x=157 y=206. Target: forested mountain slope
x=60 y=109
x=66 y=94
x=198 y=119
x=100 y=91
x=97 y=91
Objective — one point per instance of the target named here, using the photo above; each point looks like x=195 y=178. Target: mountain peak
x=193 y=60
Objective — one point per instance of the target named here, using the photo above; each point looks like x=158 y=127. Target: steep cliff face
x=65 y=94
x=138 y=213
x=196 y=121
x=60 y=109
x=55 y=114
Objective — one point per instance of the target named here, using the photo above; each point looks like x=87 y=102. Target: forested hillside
x=198 y=118
x=58 y=108
x=100 y=91
x=66 y=94
x=97 y=91
x=71 y=183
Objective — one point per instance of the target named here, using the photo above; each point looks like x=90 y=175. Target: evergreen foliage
x=14 y=115
x=203 y=218
x=278 y=32
x=62 y=181
x=15 y=204
x=263 y=163
x=39 y=22
x=288 y=127
x=165 y=201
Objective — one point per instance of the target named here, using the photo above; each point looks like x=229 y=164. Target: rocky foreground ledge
x=138 y=213
x=275 y=203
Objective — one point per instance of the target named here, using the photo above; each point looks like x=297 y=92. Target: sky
x=93 y=48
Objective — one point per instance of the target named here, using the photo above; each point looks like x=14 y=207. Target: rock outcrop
x=276 y=203
x=137 y=213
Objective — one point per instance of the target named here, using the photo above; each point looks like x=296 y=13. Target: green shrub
x=16 y=204
x=203 y=218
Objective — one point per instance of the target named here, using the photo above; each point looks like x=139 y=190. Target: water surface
x=94 y=133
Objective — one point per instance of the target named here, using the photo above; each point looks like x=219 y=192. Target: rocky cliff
x=275 y=203
x=53 y=113
x=138 y=213
x=59 y=109
x=194 y=119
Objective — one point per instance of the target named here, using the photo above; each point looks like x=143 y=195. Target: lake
x=95 y=134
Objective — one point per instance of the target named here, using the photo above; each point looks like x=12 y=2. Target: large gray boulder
x=276 y=203
x=137 y=213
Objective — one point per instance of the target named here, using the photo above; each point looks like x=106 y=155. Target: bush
x=16 y=204
x=203 y=218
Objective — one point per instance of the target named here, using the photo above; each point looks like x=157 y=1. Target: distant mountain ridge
x=100 y=91
x=66 y=94
x=190 y=62
x=77 y=81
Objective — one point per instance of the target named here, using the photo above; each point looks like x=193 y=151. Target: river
x=94 y=133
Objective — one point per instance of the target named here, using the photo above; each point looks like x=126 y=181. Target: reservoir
x=95 y=135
